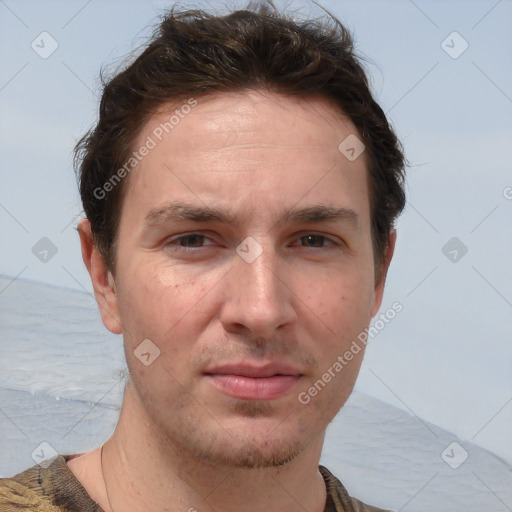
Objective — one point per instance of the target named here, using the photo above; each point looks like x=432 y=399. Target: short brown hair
x=194 y=53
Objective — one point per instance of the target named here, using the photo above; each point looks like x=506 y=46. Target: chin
x=254 y=439
x=248 y=455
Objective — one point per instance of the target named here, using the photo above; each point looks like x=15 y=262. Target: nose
x=258 y=296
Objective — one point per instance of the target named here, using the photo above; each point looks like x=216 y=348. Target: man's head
x=194 y=54
x=250 y=251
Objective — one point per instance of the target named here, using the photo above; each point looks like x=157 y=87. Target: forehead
x=228 y=145
x=225 y=116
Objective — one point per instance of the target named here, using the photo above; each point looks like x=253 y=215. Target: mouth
x=251 y=382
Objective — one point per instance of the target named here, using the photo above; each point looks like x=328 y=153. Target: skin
x=180 y=442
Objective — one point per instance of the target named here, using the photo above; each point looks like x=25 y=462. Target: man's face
x=241 y=337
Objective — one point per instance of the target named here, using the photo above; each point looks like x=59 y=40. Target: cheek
x=339 y=304
x=170 y=310
x=156 y=298
x=342 y=312
x=325 y=394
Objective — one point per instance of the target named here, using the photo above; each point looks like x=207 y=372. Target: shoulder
x=338 y=499
x=24 y=491
x=50 y=489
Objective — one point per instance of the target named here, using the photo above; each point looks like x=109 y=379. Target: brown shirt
x=56 y=489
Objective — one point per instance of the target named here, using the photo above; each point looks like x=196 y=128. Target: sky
x=442 y=72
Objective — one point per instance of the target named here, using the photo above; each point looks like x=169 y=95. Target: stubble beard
x=221 y=449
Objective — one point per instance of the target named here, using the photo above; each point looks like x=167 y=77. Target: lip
x=252 y=382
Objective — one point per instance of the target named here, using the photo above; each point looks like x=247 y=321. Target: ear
x=379 y=284
x=102 y=279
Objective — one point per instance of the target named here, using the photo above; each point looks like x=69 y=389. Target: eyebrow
x=189 y=212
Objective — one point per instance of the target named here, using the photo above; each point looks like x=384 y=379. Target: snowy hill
x=62 y=377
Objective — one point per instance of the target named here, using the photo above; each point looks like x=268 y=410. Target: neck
x=144 y=471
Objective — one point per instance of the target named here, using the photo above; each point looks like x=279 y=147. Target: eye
x=188 y=241
x=193 y=240
x=316 y=241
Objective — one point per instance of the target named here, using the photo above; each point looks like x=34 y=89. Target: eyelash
x=177 y=246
